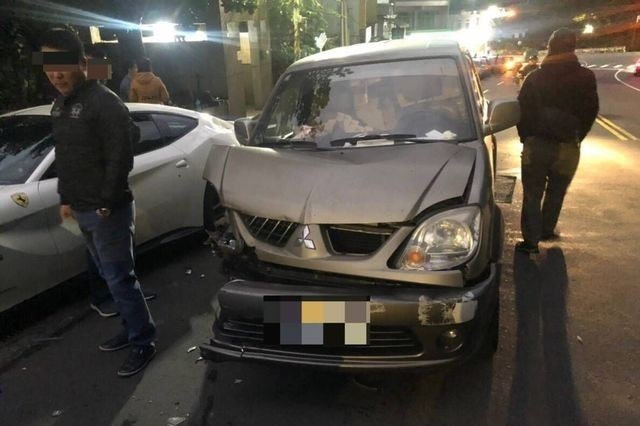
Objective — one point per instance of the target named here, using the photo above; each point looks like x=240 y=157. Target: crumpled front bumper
x=406 y=325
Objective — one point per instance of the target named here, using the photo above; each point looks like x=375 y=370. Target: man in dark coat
x=559 y=103
x=94 y=137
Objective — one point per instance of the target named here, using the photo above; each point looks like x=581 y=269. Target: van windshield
x=402 y=101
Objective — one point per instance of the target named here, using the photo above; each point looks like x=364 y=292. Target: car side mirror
x=243 y=128
x=502 y=115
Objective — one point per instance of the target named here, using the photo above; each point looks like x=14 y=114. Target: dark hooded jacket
x=559 y=101
x=94 y=137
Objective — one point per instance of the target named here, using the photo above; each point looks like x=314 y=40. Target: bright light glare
x=199 y=36
x=588 y=29
x=164 y=31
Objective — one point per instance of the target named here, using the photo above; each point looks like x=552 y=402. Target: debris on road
x=579 y=339
x=358 y=381
x=56 y=413
x=199 y=359
x=188 y=271
x=192 y=348
x=201 y=275
x=175 y=421
x=236 y=381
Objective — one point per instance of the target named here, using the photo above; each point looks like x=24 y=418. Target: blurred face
x=65 y=77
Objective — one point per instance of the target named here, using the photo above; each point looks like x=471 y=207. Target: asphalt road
x=569 y=349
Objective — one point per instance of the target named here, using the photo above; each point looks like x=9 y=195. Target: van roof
x=387 y=50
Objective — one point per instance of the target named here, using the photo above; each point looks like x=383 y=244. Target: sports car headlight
x=443 y=241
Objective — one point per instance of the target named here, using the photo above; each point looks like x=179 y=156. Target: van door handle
x=181 y=164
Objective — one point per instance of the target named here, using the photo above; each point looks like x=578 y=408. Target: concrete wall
x=249 y=84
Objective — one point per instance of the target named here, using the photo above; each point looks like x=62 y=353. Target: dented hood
x=356 y=185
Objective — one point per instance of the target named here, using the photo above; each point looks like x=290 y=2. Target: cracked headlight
x=443 y=241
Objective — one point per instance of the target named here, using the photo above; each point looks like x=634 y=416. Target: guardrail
x=613 y=49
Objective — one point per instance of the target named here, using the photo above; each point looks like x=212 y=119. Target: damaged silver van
x=359 y=227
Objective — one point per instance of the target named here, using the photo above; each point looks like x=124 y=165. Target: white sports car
x=38 y=250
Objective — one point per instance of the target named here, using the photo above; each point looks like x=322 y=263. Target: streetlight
x=588 y=29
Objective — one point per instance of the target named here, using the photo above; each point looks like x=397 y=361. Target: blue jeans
x=98 y=290
x=110 y=242
x=548 y=168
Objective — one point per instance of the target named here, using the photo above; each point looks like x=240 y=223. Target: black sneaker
x=105 y=309
x=121 y=341
x=138 y=358
x=524 y=247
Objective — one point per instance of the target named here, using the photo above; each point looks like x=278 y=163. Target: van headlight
x=443 y=241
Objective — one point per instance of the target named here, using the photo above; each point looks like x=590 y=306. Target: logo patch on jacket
x=76 y=109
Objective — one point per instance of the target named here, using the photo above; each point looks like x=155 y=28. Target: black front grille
x=358 y=239
x=276 y=232
x=382 y=340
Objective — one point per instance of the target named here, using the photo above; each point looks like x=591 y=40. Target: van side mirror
x=243 y=128
x=502 y=115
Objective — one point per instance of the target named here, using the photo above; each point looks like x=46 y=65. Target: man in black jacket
x=559 y=103
x=94 y=135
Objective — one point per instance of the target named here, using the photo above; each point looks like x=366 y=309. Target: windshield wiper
x=367 y=137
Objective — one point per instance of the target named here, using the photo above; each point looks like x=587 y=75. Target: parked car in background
x=38 y=250
x=483 y=67
x=362 y=230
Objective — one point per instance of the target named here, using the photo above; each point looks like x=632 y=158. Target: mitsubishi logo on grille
x=308 y=242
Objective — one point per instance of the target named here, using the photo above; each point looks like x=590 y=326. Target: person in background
x=559 y=103
x=147 y=87
x=532 y=65
x=125 y=84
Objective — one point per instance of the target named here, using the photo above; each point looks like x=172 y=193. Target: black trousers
x=547 y=170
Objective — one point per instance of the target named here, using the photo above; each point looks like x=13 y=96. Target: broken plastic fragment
x=201 y=275
x=579 y=339
x=192 y=348
x=236 y=381
x=199 y=359
x=56 y=413
x=175 y=421
x=188 y=271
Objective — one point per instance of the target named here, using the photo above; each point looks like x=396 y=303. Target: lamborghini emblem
x=21 y=199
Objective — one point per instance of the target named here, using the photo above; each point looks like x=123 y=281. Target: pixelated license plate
x=316 y=320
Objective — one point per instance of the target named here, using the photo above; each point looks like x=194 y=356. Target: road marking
x=592 y=66
x=617 y=127
x=610 y=129
x=485 y=91
x=501 y=83
x=619 y=66
x=604 y=66
x=626 y=84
